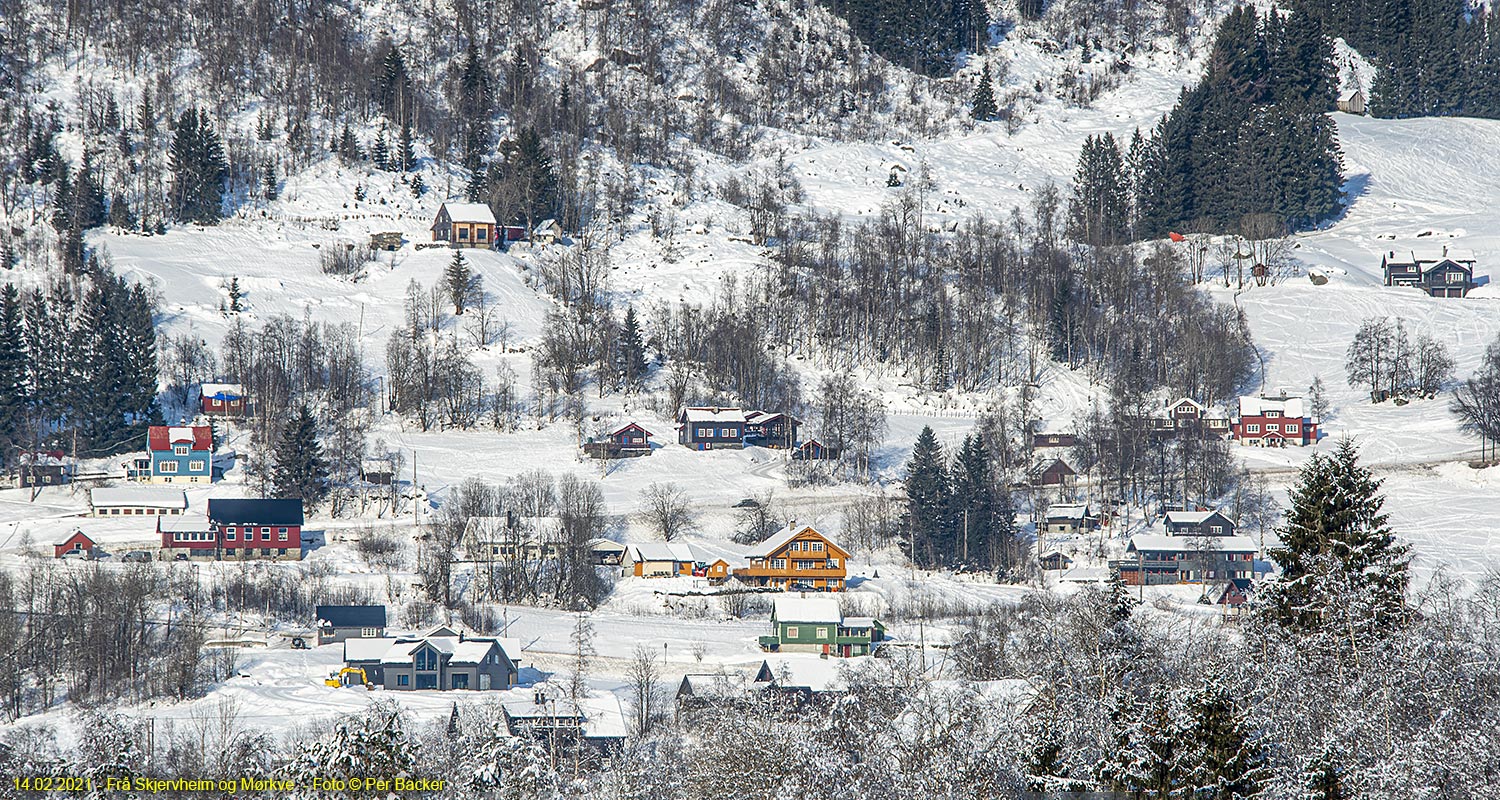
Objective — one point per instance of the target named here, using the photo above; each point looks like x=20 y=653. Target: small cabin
x=78 y=543
x=1055 y=473
x=222 y=399
x=548 y=232
x=464 y=225
x=1351 y=101
x=631 y=437
x=814 y=450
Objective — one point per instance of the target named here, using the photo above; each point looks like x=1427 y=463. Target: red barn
x=79 y=542
x=1275 y=422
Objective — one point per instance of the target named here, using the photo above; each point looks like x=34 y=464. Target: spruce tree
x=236 y=296
x=1223 y=762
x=14 y=394
x=406 y=154
x=1336 y=536
x=983 y=106
x=632 y=351
x=198 y=169
x=89 y=208
x=459 y=280
x=927 y=502
x=973 y=503
x=299 y=470
x=380 y=152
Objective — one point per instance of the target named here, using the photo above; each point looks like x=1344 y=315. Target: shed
x=1351 y=101
x=79 y=542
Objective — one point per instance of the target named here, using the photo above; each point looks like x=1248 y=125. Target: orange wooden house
x=464 y=225
x=796 y=559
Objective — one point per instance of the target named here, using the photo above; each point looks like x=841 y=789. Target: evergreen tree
x=300 y=470
x=268 y=188
x=393 y=91
x=983 y=106
x=1223 y=761
x=1335 y=535
x=1099 y=212
x=475 y=95
x=14 y=393
x=525 y=169
x=1324 y=780
x=973 y=503
x=120 y=214
x=927 y=502
x=406 y=154
x=236 y=296
x=348 y=146
x=418 y=187
x=460 y=281
x=198 y=169
x=89 y=209
x=380 y=152
x=632 y=351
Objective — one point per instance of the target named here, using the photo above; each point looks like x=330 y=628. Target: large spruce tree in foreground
x=300 y=469
x=1337 y=550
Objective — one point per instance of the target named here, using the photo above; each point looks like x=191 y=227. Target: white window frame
x=195 y=465
x=167 y=467
x=1252 y=428
x=180 y=450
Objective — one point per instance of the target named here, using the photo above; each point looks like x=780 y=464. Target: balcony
x=790 y=572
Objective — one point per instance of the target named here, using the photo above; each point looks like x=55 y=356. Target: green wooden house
x=815 y=625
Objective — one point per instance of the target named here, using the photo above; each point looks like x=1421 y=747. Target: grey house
x=337 y=623
x=1198 y=523
x=440 y=659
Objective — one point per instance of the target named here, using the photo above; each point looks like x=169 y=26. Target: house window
x=778 y=563
x=1217 y=530
x=427 y=659
x=817 y=546
x=369 y=633
x=705 y=433
x=833 y=563
x=1272 y=427
x=727 y=433
x=281 y=535
x=195 y=466
x=1290 y=428
x=229 y=551
x=229 y=534
x=791 y=632
x=179 y=450
x=1252 y=428
x=167 y=466
x=403 y=680
x=1273 y=413
x=461 y=680
x=1455 y=277
x=822 y=633
x=481 y=234
x=463 y=234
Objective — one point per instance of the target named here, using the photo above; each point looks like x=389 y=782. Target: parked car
x=137 y=556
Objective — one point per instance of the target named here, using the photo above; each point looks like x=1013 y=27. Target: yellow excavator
x=343 y=677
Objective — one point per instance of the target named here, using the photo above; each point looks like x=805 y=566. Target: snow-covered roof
x=470 y=212
x=367 y=649
x=706 y=414
x=1156 y=542
x=1347 y=95
x=137 y=497
x=859 y=622
x=1292 y=407
x=806 y=609
x=809 y=671
x=225 y=389
x=458 y=649
x=661 y=551
x=606 y=545
x=711 y=684
x=1190 y=401
x=1068 y=511
x=186 y=523
x=547 y=224
x=1188 y=517
x=777 y=540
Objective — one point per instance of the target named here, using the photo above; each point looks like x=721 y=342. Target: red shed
x=77 y=543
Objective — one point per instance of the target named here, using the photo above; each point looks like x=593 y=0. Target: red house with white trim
x=1275 y=422
x=79 y=542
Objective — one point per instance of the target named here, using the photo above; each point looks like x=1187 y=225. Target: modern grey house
x=337 y=623
x=441 y=659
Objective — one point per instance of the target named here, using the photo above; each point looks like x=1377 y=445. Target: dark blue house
x=703 y=428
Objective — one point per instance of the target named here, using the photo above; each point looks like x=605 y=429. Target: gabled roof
x=162 y=437
x=222 y=391
x=137 y=496
x=711 y=684
x=780 y=539
x=1348 y=94
x=1155 y=542
x=606 y=546
x=470 y=212
x=367 y=649
x=1190 y=401
x=1291 y=407
x=711 y=414
x=1047 y=466
x=627 y=426
x=76 y=535
x=350 y=616
x=661 y=551
x=809 y=672
x=255 y=512
x=1188 y=517
x=1076 y=511
x=806 y=609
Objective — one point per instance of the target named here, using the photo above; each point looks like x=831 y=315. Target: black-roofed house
x=337 y=623
x=241 y=528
